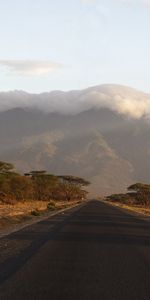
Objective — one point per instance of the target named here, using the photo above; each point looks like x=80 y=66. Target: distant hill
x=101 y=133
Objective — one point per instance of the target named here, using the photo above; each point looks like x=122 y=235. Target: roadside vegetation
x=38 y=185
x=36 y=192
x=137 y=198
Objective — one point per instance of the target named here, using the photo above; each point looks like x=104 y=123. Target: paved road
x=92 y=252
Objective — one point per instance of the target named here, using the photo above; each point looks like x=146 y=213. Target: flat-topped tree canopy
x=5 y=167
x=74 y=180
x=36 y=173
x=142 y=192
x=42 y=174
x=138 y=187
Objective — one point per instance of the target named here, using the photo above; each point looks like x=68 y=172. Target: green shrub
x=51 y=205
x=35 y=213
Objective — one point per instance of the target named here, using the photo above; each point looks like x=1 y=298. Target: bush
x=7 y=199
x=51 y=205
x=123 y=198
x=35 y=213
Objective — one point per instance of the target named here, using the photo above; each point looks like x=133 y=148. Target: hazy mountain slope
x=99 y=142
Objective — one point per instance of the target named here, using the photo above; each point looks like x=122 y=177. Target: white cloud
x=29 y=67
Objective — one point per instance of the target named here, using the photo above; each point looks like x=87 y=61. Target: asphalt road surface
x=95 y=251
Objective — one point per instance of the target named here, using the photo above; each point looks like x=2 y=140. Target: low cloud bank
x=124 y=100
x=29 y=67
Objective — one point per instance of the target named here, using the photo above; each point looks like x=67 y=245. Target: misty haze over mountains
x=121 y=99
x=100 y=133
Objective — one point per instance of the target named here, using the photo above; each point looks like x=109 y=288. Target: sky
x=73 y=44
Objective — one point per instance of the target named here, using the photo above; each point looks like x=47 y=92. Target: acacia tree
x=13 y=186
x=5 y=167
x=39 y=185
x=21 y=187
x=72 y=186
x=142 y=193
x=44 y=184
x=6 y=171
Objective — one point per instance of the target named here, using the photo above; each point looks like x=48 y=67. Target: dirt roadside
x=132 y=209
x=14 y=218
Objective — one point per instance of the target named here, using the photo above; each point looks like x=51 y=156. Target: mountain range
x=101 y=133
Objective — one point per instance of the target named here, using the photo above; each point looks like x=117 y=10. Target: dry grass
x=135 y=208
x=21 y=208
x=64 y=204
x=17 y=215
x=24 y=208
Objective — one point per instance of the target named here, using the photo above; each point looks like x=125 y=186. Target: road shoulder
x=128 y=210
